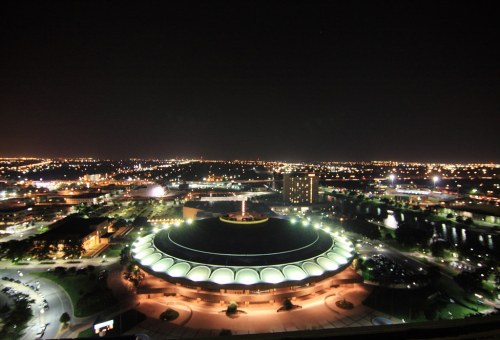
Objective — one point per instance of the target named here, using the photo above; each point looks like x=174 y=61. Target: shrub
x=225 y=332
x=169 y=315
x=232 y=308
x=344 y=304
x=287 y=304
x=64 y=318
x=5 y=308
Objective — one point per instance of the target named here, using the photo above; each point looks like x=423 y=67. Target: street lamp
x=478 y=296
x=392 y=177
x=435 y=179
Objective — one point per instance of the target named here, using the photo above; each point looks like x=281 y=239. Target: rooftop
x=72 y=226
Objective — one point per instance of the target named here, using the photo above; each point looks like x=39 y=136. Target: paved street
x=56 y=297
x=23 y=232
x=58 y=301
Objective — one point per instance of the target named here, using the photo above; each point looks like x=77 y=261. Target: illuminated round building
x=243 y=257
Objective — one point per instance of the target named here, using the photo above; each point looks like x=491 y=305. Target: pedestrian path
x=209 y=320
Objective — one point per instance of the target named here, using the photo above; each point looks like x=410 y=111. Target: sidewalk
x=7 y=264
x=198 y=319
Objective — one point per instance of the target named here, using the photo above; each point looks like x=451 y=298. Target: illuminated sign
x=103 y=326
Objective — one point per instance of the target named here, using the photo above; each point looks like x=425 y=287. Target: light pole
x=392 y=177
x=435 y=179
x=478 y=296
x=42 y=311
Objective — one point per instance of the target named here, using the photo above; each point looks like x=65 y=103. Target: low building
x=91 y=233
x=202 y=209
x=11 y=215
x=88 y=198
x=424 y=197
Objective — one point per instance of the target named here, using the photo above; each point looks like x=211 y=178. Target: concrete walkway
x=198 y=320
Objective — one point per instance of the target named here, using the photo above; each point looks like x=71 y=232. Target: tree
x=73 y=248
x=232 y=308
x=430 y=311
x=359 y=263
x=438 y=247
x=469 y=281
x=225 y=332
x=169 y=315
x=81 y=209
x=65 y=318
x=287 y=304
x=17 y=250
x=45 y=249
x=125 y=255
x=410 y=235
x=140 y=221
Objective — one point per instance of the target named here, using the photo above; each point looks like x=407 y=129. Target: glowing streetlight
x=392 y=177
x=435 y=179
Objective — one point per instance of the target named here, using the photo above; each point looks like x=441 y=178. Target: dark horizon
x=201 y=158
x=294 y=81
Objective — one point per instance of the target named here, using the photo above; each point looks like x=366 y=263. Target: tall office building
x=300 y=188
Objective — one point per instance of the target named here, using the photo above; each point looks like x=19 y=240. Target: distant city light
x=157 y=192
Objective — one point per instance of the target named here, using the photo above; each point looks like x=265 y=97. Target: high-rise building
x=300 y=188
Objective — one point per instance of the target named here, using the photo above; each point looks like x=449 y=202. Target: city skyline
x=295 y=82
x=184 y=247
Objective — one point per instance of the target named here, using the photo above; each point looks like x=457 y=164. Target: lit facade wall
x=252 y=283
x=188 y=212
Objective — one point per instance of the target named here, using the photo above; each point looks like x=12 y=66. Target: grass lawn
x=71 y=284
x=86 y=293
x=454 y=311
x=489 y=287
x=389 y=301
x=88 y=333
x=453 y=290
x=113 y=250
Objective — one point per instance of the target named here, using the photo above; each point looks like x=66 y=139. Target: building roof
x=86 y=195
x=12 y=209
x=72 y=226
x=264 y=252
x=268 y=242
x=224 y=207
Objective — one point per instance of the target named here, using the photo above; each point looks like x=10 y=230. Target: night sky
x=291 y=81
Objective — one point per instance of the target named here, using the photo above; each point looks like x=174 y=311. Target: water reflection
x=391 y=222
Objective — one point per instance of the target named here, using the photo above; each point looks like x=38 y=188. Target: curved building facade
x=239 y=256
